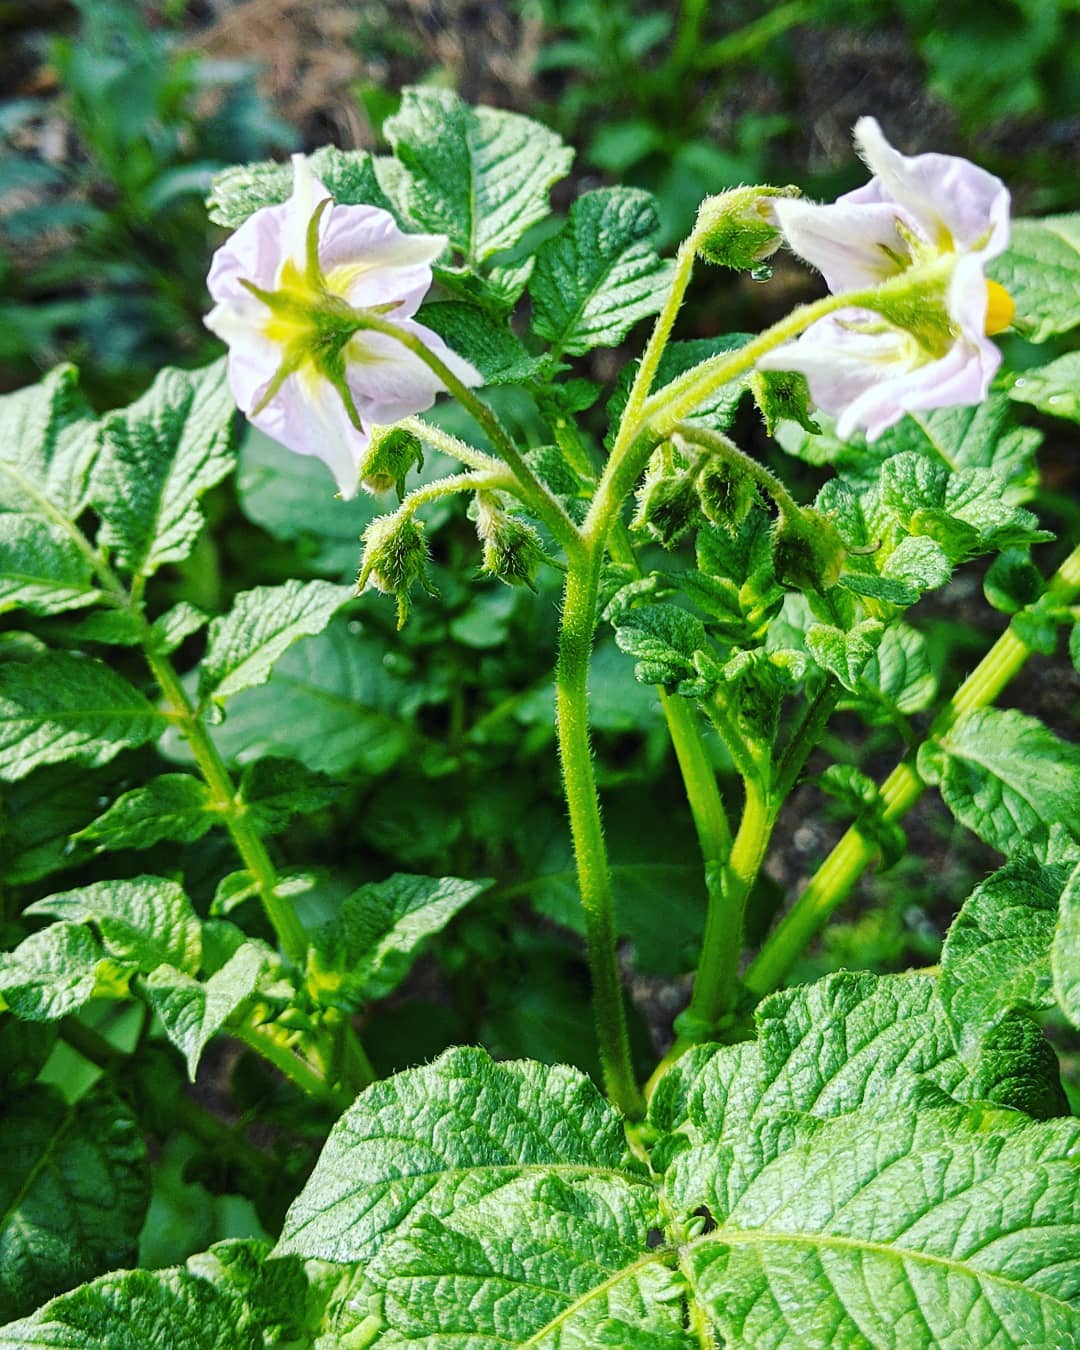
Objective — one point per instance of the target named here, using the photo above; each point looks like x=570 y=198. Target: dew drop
x=762 y=272
x=355 y=626
x=1054 y=398
x=1019 y=384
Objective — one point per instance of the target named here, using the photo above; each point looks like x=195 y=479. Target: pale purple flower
x=916 y=211
x=277 y=372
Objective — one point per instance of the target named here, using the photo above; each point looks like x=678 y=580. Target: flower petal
x=955 y=202
x=390 y=382
x=307 y=415
x=368 y=261
x=851 y=244
x=307 y=193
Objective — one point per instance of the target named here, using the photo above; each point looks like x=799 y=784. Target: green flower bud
x=391 y=453
x=726 y=494
x=808 y=553
x=395 y=556
x=737 y=229
x=667 y=500
x=513 y=551
x=783 y=395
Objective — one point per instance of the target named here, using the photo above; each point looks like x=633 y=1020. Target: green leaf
x=143 y=922
x=39 y=816
x=331 y=703
x=176 y=624
x=275 y=790
x=46 y=447
x=1041 y=271
x=845 y=655
x=368 y=948
x=930 y=1229
x=73 y=1192
x=478 y=175
x=240 y=191
x=41 y=569
x=52 y=973
x=898 y=677
x=193 y=1011
x=244 y=644
x=664 y=638
x=997 y=952
x=1054 y=388
x=171 y=806
x=1065 y=951
x=61 y=706
x=717 y=412
x=601 y=274
x=862 y=797
x=1008 y=778
x=157 y=458
x=489 y=345
x=965 y=512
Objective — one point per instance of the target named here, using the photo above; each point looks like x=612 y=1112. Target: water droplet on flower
x=762 y=272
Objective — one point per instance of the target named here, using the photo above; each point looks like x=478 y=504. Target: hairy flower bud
x=513 y=550
x=737 y=228
x=783 y=395
x=395 y=556
x=667 y=499
x=391 y=453
x=808 y=553
x=726 y=494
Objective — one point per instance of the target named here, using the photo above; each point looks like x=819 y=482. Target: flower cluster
x=936 y=216
x=290 y=286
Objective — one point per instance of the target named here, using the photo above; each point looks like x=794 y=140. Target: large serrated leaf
x=1008 y=778
x=367 y=949
x=601 y=274
x=934 y=1229
x=485 y=342
x=158 y=456
x=46 y=447
x=1041 y=271
x=263 y=623
x=62 y=706
x=478 y=175
x=143 y=922
x=73 y=1192
x=1053 y=388
x=1065 y=950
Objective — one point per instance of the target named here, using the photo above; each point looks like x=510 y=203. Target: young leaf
x=664 y=638
x=478 y=175
x=601 y=274
x=62 y=706
x=176 y=624
x=367 y=949
x=862 y=797
x=41 y=569
x=240 y=191
x=244 y=644
x=275 y=790
x=143 y=922
x=1041 y=271
x=157 y=458
x=192 y=1011
x=1051 y=388
x=73 y=1192
x=171 y=806
x=52 y=973
x=898 y=677
x=845 y=655
x=1009 y=779
x=1065 y=951
x=997 y=953
x=46 y=447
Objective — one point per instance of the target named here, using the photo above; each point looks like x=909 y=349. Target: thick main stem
x=835 y=878
x=579 y=783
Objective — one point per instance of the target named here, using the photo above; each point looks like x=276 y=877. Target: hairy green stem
x=546 y=506
x=835 y=878
x=451 y=445
x=269 y=1043
x=579 y=783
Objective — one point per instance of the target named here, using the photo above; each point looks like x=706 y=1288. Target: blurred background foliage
x=117 y=115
